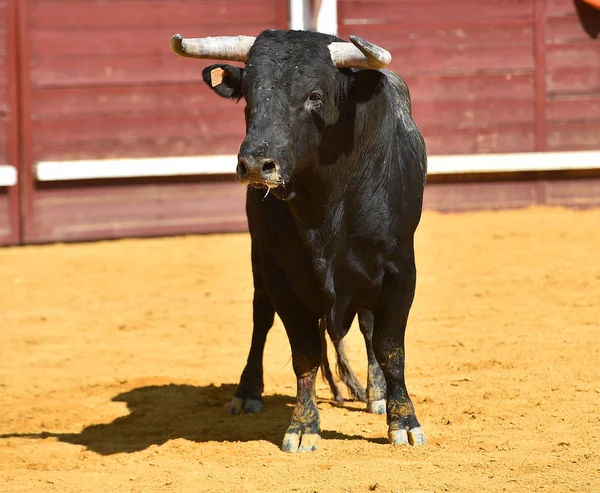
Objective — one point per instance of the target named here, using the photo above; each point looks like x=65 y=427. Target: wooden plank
x=176 y=14
x=571 y=136
x=5 y=222
x=574 y=56
x=472 y=100
x=575 y=108
x=3 y=69
x=456 y=34
x=111 y=70
x=464 y=114
x=559 y=8
x=191 y=98
x=493 y=195
x=113 y=148
x=499 y=138
x=77 y=213
x=573 y=193
x=419 y=11
x=460 y=197
x=74 y=214
x=124 y=42
x=470 y=48
x=4 y=140
x=120 y=132
x=573 y=81
x=496 y=98
x=476 y=87
x=565 y=30
x=132 y=127
x=573 y=68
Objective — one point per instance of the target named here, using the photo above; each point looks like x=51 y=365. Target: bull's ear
x=225 y=80
x=331 y=112
x=364 y=84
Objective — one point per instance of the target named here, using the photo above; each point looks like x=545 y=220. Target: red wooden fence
x=489 y=76
x=91 y=79
x=99 y=81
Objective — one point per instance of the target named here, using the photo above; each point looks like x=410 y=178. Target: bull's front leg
x=302 y=328
x=303 y=434
x=248 y=396
x=388 y=344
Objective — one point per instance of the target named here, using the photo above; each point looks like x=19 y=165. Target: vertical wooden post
x=283 y=14
x=540 y=75
x=12 y=87
x=26 y=178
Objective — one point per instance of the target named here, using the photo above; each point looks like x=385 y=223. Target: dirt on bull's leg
x=376 y=386
x=303 y=433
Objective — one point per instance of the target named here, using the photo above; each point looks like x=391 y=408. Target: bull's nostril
x=269 y=166
x=242 y=171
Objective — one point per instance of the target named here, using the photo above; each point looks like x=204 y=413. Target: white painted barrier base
x=226 y=164
x=8 y=175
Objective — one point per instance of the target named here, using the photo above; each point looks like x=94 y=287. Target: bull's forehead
x=294 y=57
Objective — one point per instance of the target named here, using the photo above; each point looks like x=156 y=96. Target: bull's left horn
x=360 y=54
x=233 y=48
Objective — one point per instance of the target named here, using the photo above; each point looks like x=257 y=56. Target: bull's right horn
x=233 y=48
x=360 y=54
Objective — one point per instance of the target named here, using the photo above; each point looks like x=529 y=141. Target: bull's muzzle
x=258 y=171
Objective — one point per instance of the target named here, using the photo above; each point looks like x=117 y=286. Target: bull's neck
x=353 y=155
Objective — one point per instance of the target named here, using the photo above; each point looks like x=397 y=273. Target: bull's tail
x=344 y=371
x=326 y=369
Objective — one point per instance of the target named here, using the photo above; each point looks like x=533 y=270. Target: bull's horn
x=360 y=54
x=234 y=48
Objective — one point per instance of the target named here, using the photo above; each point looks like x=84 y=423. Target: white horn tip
x=378 y=57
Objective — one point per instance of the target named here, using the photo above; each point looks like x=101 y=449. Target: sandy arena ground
x=118 y=359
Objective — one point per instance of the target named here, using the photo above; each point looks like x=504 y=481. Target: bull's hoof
x=376 y=407
x=298 y=442
x=240 y=405
x=414 y=436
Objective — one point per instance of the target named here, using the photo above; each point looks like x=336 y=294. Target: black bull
x=335 y=168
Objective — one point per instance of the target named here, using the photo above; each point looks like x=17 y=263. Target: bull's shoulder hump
x=397 y=84
x=399 y=94
x=400 y=99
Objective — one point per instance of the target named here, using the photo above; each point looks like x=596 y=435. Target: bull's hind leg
x=376 y=387
x=248 y=396
x=389 y=328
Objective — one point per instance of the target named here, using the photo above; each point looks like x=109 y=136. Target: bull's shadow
x=165 y=412
x=160 y=413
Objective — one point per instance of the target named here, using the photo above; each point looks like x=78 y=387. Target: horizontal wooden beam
x=8 y=175
x=226 y=164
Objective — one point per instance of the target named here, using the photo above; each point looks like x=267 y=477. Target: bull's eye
x=315 y=96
